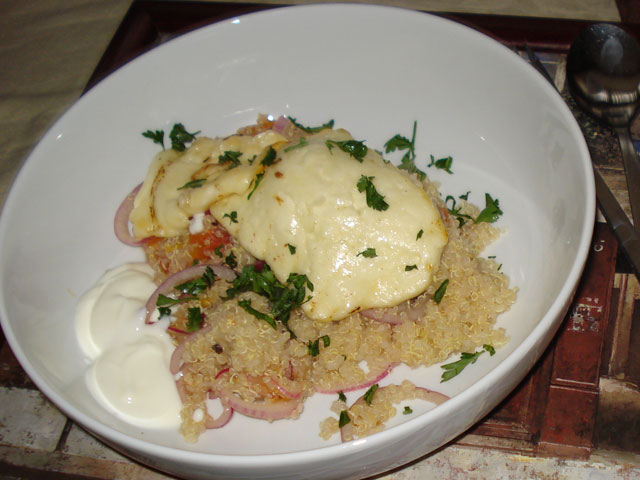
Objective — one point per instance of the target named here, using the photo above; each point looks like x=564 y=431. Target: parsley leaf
x=357 y=149
x=233 y=216
x=197 y=285
x=344 y=418
x=439 y=293
x=407 y=410
x=456 y=212
x=283 y=297
x=255 y=184
x=491 y=211
x=269 y=157
x=314 y=347
x=218 y=250
x=292 y=249
x=163 y=312
x=246 y=306
x=368 y=396
x=329 y=124
x=442 y=163
x=179 y=136
x=399 y=142
x=368 y=253
x=230 y=156
x=156 y=135
x=408 y=268
x=419 y=235
x=231 y=260
x=197 y=183
x=374 y=199
x=164 y=301
x=300 y=144
x=454 y=368
x=194 y=319
x=342 y=397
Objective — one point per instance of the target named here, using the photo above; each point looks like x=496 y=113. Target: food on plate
x=292 y=260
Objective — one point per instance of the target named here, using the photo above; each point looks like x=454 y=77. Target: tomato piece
x=202 y=245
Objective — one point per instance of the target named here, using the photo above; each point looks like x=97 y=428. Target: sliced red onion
x=121 y=221
x=182 y=393
x=281 y=124
x=266 y=410
x=176 y=361
x=182 y=276
x=286 y=387
x=382 y=315
x=371 y=378
x=221 y=420
x=412 y=310
x=346 y=432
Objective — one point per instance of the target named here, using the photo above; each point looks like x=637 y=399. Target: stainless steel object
x=603 y=75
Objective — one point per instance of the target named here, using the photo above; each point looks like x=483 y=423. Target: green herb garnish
x=292 y=249
x=329 y=124
x=439 y=293
x=197 y=183
x=197 y=285
x=231 y=260
x=456 y=212
x=368 y=396
x=357 y=149
x=344 y=419
x=342 y=397
x=156 y=135
x=269 y=157
x=399 y=142
x=368 y=253
x=164 y=301
x=232 y=216
x=246 y=306
x=407 y=410
x=491 y=211
x=374 y=199
x=179 y=136
x=230 y=156
x=194 y=319
x=255 y=184
x=442 y=163
x=218 y=250
x=300 y=144
x=453 y=369
x=419 y=235
x=408 y=268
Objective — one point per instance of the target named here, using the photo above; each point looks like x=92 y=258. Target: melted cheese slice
x=307 y=216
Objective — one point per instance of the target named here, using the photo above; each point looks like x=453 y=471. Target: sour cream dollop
x=128 y=368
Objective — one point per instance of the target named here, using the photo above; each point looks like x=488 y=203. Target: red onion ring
x=346 y=431
x=183 y=276
x=286 y=387
x=370 y=379
x=121 y=220
x=281 y=124
x=221 y=420
x=267 y=410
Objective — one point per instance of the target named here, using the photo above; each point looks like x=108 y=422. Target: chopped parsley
x=456 y=212
x=407 y=410
x=218 y=250
x=300 y=144
x=179 y=136
x=439 y=293
x=368 y=396
x=164 y=301
x=194 y=319
x=408 y=268
x=399 y=142
x=491 y=211
x=342 y=397
x=232 y=216
x=230 y=156
x=246 y=306
x=231 y=260
x=314 y=346
x=442 y=163
x=156 y=135
x=329 y=124
x=197 y=183
x=255 y=184
x=453 y=369
x=368 y=253
x=357 y=149
x=197 y=285
x=283 y=297
x=374 y=199
x=344 y=419
x=292 y=249
x=419 y=235
x=269 y=157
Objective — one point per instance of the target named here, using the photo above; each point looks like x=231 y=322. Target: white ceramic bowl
x=373 y=69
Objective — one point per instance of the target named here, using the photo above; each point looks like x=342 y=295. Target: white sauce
x=129 y=360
